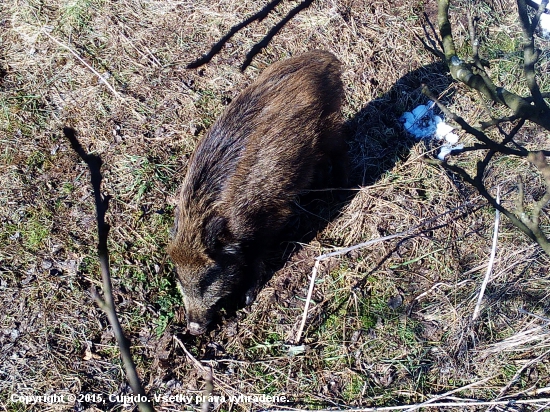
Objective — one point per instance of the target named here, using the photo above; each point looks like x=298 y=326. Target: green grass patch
x=208 y=106
x=354 y=388
x=145 y=174
x=36 y=228
x=77 y=14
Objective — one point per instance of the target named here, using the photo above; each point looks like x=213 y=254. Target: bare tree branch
x=543 y=242
x=536 y=6
x=530 y=54
x=529 y=227
x=526 y=226
x=533 y=108
x=476 y=77
x=496 y=122
x=463 y=125
x=473 y=38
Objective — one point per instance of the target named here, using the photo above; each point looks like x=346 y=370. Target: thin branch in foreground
x=538 y=236
x=491 y=260
x=538 y=159
x=464 y=125
x=497 y=122
x=536 y=5
x=107 y=304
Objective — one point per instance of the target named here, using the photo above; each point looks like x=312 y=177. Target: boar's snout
x=196 y=328
x=199 y=313
x=197 y=323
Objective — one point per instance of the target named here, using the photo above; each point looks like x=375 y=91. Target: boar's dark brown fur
x=280 y=137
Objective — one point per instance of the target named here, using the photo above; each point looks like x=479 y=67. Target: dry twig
x=107 y=303
x=520 y=372
x=81 y=60
x=491 y=259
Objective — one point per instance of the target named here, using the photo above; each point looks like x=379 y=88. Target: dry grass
x=389 y=325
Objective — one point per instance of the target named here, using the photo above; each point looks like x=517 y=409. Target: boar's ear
x=217 y=237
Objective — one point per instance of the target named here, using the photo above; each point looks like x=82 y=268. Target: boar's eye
x=220 y=243
x=209 y=280
x=231 y=249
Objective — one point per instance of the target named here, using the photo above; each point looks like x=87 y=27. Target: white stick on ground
x=491 y=260
x=359 y=246
x=318 y=259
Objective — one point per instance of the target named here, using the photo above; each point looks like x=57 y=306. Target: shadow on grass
x=257 y=48
x=377 y=137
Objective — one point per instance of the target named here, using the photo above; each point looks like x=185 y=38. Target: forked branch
x=529 y=226
x=533 y=108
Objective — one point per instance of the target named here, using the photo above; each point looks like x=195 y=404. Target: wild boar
x=278 y=139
